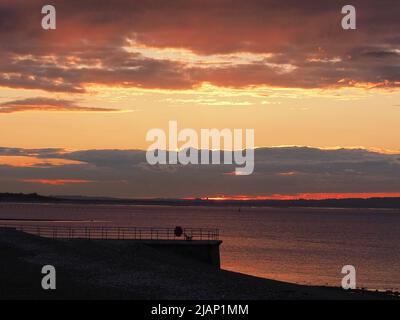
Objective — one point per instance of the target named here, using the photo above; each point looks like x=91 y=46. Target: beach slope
x=102 y=269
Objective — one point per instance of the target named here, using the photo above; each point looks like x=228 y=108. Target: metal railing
x=116 y=233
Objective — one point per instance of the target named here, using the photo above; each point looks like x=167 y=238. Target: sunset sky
x=76 y=102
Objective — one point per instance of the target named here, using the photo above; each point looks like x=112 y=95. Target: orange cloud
x=27 y=161
x=288 y=174
x=54 y=182
x=47 y=104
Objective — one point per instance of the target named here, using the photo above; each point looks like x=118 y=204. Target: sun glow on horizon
x=304 y=196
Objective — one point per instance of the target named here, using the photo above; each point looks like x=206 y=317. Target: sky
x=76 y=102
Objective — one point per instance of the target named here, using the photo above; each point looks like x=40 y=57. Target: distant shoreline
x=372 y=203
x=45 y=220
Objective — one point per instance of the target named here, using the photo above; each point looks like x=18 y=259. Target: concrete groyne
x=200 y=250
x=198 y=244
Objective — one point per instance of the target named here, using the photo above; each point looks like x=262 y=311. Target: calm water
x=307 y=246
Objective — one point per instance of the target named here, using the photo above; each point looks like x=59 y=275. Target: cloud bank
x=281 y=170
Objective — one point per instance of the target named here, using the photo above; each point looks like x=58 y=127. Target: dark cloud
x=104 y=158
x=117 y=68
x=87 y=45
x=285 y=170
x=46 y=104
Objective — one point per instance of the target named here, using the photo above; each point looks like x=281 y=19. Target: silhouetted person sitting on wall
x=179 y=232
